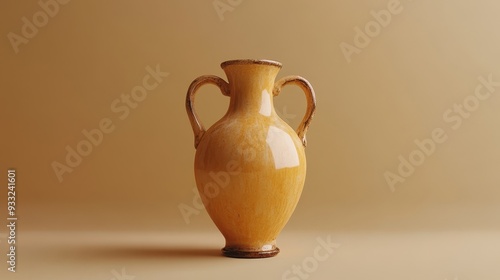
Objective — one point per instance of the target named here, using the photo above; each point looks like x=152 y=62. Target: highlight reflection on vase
x=250 y=166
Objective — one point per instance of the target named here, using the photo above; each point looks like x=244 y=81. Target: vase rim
x=251 y=61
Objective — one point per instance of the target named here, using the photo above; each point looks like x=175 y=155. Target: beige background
x=370 y=111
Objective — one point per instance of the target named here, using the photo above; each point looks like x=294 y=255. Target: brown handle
x=311 y=102
x=198 y=128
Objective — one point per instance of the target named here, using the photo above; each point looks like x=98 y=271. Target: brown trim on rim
x=240 y=254
x=251 y=61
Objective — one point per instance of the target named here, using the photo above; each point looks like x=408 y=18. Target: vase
x=250 y=166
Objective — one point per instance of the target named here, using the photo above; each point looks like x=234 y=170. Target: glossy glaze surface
x=250 y=166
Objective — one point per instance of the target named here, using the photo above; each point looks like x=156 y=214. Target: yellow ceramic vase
x=250 y=166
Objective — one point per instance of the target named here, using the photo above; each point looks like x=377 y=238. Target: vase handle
x=198 y=128
x=311 y=101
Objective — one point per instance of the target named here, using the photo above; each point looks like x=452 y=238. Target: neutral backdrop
x=395 y=88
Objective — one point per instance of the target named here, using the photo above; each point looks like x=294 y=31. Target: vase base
x=244 y=254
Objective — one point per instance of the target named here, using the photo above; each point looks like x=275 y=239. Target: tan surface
x=195 y=255
x=370 y=111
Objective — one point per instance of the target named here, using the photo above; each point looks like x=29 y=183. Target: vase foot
x=249 y=254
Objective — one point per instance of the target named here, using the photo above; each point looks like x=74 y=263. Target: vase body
x=250 y=166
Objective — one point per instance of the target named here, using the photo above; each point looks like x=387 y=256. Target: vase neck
x=251 y=88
